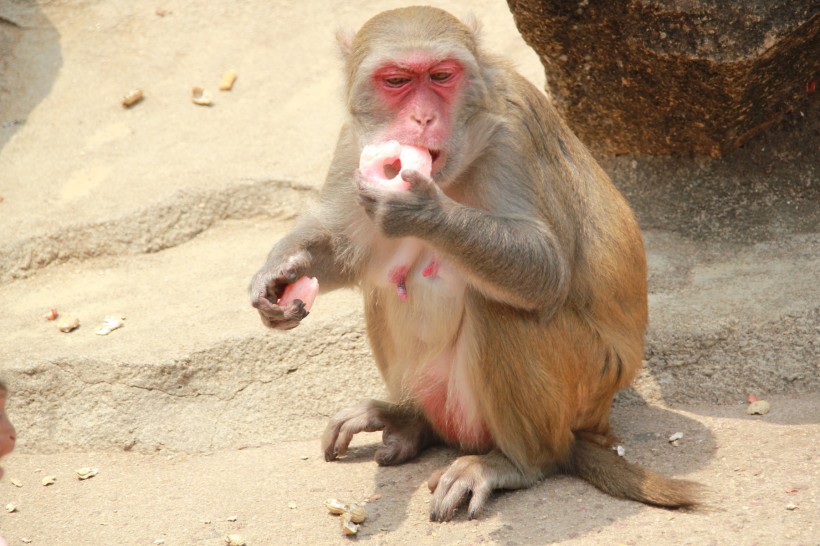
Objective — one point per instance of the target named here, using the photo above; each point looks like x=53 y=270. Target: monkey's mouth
x=437 y=158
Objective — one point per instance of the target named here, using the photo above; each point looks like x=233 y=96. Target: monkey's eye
x=440 y=77
x=396 y=81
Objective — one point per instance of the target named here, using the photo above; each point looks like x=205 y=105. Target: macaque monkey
x=505 y=293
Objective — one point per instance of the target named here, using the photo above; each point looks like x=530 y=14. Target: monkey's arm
x=306 y=250
x=513 y=258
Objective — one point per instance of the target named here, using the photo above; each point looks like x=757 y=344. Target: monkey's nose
x=424 y=119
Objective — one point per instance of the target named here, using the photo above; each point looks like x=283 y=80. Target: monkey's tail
x=615 y=476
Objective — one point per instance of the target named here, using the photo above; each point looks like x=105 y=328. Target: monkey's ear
x=472 y=23
x=345 y=40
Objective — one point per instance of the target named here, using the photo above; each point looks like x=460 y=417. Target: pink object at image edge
x=305 y=289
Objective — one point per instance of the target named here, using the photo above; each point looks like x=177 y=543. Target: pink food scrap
x=305 y=289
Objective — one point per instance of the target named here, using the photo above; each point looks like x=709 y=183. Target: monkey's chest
x=420 y=299
x=413 y=271
x=425 y=344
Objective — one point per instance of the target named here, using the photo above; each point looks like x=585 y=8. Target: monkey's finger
x=280 y=318
x=449 y=495
x=284 y=325
x=295 y=312
x=359 y=179
x=432 y=481
x=330 y=438
x=414 y=177
x=418 y=182
x=368 y=200
x=366 y=422
x=362 y=184
x=329 y=441
x=343 y=440
x=481 y=493
x=267 y=308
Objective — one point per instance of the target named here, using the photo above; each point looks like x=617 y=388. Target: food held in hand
x=304 y=289
x=382 y=163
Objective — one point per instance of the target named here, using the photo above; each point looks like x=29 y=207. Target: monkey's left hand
x=401 y=213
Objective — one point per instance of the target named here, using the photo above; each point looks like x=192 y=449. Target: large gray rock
x=661 y=76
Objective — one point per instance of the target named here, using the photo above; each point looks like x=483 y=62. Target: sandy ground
x=194 y=414
x=762 y=470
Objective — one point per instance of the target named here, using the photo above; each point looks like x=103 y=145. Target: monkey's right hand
x=267 y=287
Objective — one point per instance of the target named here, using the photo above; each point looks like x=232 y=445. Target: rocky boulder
x=663 y=76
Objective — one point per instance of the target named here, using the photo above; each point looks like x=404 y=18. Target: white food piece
x=348 y=527
x=68 y=323
x=201 y=97
x=109 y=324
x=234 y=540
x=357 y=513
x=227 y=81
x=85 y=472
x=381 y=164
x=335 y=506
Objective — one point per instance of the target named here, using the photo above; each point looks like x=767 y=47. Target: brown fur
x=538 y=313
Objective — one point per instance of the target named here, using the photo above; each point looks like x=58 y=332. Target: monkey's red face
x=420 y=91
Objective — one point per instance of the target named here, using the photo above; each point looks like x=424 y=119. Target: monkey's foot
x=478 y=475
x=341 y=428
x=404 y=438
x=405 y=434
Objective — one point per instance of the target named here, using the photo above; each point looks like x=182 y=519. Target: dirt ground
x=763 y=472
x=202 y=423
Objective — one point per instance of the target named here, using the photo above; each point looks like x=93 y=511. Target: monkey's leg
x=479 y=475
x=405 y=432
